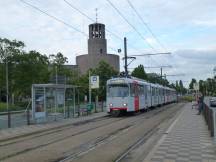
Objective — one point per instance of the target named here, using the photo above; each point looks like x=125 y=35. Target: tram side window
x=134 y=90
x=141 y=90
x=153 y=91
x=149 y=90
x=145 y=91
x=156 y=92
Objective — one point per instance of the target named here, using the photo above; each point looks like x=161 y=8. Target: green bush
x=188 y=98
x=3 y=107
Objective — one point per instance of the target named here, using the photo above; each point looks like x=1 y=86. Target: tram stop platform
x=11 y=133
x=186 y=140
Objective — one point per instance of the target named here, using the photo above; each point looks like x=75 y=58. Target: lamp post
x=5 y=55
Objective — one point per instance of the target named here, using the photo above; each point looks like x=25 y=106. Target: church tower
x=97 y=43
x=97 y=50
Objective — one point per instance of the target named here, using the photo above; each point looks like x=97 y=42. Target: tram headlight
x=124 y=104
x=110 y=104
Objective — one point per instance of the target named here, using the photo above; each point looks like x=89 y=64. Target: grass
x=188 y=98
x=3 y=107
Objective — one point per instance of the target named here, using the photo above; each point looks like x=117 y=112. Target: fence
x=24 y=117
x=14 y=118
x=210 y=117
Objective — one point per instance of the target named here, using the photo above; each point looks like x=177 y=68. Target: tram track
x=50 y=142
x=49 y=131
x=80 y=151
x=142 y=139
x=88 y=146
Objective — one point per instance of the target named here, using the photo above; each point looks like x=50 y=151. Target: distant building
x=97 y=50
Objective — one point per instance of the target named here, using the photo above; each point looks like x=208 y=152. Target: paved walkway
x=186 y=140
x=24 y=130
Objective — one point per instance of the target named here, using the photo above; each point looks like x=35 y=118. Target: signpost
x=93 y=84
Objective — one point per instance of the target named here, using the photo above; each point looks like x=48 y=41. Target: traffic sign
x=94 y=82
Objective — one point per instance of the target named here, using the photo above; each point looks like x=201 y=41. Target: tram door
x=136 y=96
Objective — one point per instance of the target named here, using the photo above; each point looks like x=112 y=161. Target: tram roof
x=125 y=80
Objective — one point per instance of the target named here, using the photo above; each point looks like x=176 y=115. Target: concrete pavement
x=186 y=140
x=26 y=130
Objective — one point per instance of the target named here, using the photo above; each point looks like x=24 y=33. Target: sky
x=185 y=28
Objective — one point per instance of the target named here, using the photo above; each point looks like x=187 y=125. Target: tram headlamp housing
x=124 y=104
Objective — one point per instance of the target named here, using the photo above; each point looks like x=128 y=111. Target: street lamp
x=5 y=55
x=214 y=72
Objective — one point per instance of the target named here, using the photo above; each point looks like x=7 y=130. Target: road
x=102 y=139
x=206 y=100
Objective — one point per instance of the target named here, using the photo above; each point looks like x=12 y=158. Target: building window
x=101 y=51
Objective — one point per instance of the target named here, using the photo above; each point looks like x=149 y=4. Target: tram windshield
x=118 y=90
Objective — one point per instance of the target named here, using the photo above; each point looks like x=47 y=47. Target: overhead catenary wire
x=91 y=19
x=134 y=28
x=151 y=54
x=59 y=20
x=55 y=18
x=145 y=24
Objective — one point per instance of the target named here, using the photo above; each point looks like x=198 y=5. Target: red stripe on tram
x=136 y=103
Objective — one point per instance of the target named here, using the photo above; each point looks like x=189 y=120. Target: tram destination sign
x=117 y=81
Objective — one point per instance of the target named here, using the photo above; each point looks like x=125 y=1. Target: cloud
x=186 y=28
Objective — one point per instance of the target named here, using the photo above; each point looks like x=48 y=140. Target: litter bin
x=89 y=107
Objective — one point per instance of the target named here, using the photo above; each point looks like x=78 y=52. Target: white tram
x=132 y=94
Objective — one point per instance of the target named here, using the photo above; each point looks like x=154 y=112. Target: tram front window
x=119 y=90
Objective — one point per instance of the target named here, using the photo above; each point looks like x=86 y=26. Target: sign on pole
x=94 y=82
x=196 y=86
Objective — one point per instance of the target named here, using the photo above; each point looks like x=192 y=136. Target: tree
x=30 y=68
x=139 y=72
x=192 y=83
x=56 y=63
x=8 y=49
x=105 y=72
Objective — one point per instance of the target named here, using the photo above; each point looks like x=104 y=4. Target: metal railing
x=210 y=118
x=14 y=118
x=24 y=117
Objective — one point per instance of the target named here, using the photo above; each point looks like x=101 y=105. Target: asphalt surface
x=101 y=139
x=206 y=100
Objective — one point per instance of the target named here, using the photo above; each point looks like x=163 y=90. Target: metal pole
x=45 y=110
x=56 y=80
x=56 y=76
x=7 y=93
x=125 y=52
x=74 y=98
x=89 y=88
x=78 y=102
x=28 y=117
x=161 y=72
x=55 y=102
x=64 y=102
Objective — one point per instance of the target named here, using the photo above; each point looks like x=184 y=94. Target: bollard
x=68 y=111
x=28 y=117
x=9 y=119
x=102 y=103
